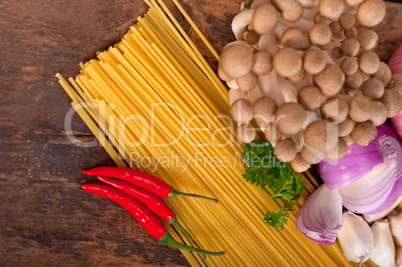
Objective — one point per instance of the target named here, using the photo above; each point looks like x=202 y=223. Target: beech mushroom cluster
x=308 y=76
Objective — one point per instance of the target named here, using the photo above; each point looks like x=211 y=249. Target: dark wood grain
x=45 y=218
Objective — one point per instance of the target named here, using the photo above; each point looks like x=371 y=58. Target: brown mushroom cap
x=339 y=151
x=299 y=165
x=345 y=127
x=287 y=62
x=335 y=108
x=380 y=113
x=264 y=109
x=251 y=37
x=355 y=80
x=262 y=63
x=364 y=133
x=285 y=150
x=289 y=118
x=337 y=52
x=349 y=65
x=320 y=19
x=373 y=88
x=361 y=108
x=321 y=135
x=392 y=99
x=248 y=82
x=347 y=21
x=296 y=38
x=293 y=12
x=320 y=34
x=310 y=97
x=348 y=139
x=383 y=73
x=368 y=39
x=222 y=75
x=369 y=62
x=339 y=36
x=241 y=111
x=271 y=133
x=311 y=155
x=298 y=77
x=351 y=32
x=330 y=80
x=246 y=133
x=314 y=61
x=237 y=59
x=335 y=27
x=331 y=9
x=371 y=12
x=265 y=19
x=350 y=47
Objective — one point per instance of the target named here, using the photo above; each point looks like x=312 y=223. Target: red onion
x=395 y=64
x=368 y=178
x=320 y=218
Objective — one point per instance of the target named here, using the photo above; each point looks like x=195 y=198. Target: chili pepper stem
x=169 y=240
x=175 y=193
x=177 y=224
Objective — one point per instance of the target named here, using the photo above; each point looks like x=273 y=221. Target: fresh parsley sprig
x=266 y=171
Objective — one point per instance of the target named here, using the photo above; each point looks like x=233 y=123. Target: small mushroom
x=264 y=110
x=392 y=99
x=222 y=75
x=246 y=133
x=289 y=118
x=380 y=113
x=271 y=133
x=285 y=150
x=251 y=37
x=368 y=39
x=262 y=63
x=296 y=38
x=345 y=127
x=351 y=32
x=311 y=155
x=314 y=61
x=237 y=59
x=361 y=108
x=321 y=135
x=247 y=82
x=241 y=111
x=320 y=34
x=232 y=84
x=240 y=23
x=355 y=80
x=299 y=165
x=383 y=73
x=349 y=65
x=265 y=19
x=335 y=108
x=335 y=27
x=347 y=21
x=310 y=97
x=339 y=151
x=350 y=47
x=339 y=36
x=291 y=10
x=369 y=62
x=348 y=139
x=298 y=77
x=363 y=133
x=373 y=88
x=337 y=52
x=331 y=9
x=371 y=12
x=330 y=80
x=320 y=19
x=287 y=62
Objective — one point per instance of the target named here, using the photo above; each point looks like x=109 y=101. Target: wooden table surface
x=45 y=218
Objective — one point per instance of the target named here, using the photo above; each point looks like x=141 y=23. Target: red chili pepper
x=152 y=201
x=141 y=179
x=143 y=215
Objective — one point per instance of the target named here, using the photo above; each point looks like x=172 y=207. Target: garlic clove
x=395 y=222
x=355 y=238
x=383 y=253
x=398 y=258
x=374 y=217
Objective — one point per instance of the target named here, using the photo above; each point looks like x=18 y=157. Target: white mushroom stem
x=240 y=23
x=232 y=84
x=267 y=43
x=235 y=94
x=303 y=24
x=288 y=89
x=270 y=88
x=309 y=4
x=309 y=13
x=255 y=94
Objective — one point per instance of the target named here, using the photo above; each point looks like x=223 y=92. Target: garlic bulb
x=395 y=222
x=383 y=253
x=355 y=238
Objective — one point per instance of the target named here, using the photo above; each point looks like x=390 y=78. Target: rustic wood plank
x=45 y=218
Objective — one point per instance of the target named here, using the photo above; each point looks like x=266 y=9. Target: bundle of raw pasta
x=156 y=105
